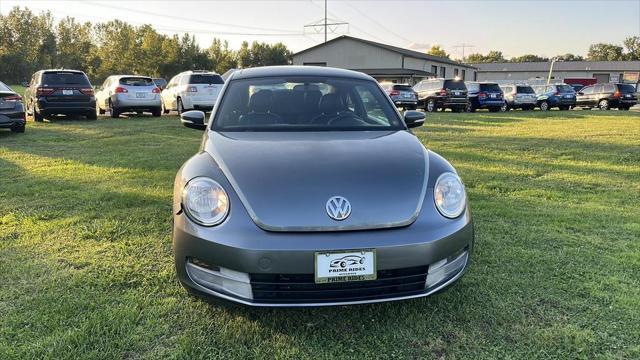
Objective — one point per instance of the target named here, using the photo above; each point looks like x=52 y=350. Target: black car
x=12 y=115
x=485 y=95
x=607 y=96
x=60 y=92
x=434 y=94
x=160 y=82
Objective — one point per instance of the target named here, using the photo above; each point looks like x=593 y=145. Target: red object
x=443 y=92
x=394 y=93
x=482 y=95
x=192 y=89
x=616 y=95
x=13 y=98
x=581 y=81
x=42 y=91
x=87 y=91
x=156 y=90
x=121 y=90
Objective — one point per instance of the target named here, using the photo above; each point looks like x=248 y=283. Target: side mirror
x=580 y=93
x=193 y=119
x=413 y=118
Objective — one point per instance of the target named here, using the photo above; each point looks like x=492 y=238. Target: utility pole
x=324 y=23
x=463 y=46
x=325 y=20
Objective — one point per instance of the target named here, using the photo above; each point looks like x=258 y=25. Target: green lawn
x=86 y=267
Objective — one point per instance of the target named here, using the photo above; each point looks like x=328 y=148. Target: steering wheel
x=353 y=119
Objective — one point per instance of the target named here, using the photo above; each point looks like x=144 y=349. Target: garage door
x=601 y=78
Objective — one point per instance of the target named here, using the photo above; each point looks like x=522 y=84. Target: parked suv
x=561 y=96
x=518 y=96
x=192 y=90
x=434 y=94
x=11 y=110
x=402 y=95
x=65 y=92
x=128 y=93
x=484 y=95
x=607 y=96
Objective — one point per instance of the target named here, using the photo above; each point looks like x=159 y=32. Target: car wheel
x=603 y=104
x=504 y=107
x=164 y=109
x=157 y=112
x=113 y=111
x=544 y=106
x=18 y=129
x=470 y=107
x=431 y=106
x=180 y=107
x=99 y=110
x=624 y=108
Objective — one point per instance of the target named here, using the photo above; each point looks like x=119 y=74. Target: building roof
x=396 y=72
x=292 y=70
x=560 y=66
x=399 y=50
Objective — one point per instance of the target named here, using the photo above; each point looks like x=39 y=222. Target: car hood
x=284 y=179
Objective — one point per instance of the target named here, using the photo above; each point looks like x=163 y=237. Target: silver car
x=309 y=189
x=128 y=93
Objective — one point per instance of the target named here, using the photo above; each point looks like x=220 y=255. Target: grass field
x=87 y=272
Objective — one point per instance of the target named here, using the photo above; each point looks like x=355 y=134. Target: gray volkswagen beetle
x=309 y=189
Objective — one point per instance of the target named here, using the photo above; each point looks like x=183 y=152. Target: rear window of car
x=490 y=87
x=160 y=82
x=525 y=90
x=402 y=88
x=626 y=88
x=64 y=78
x=136 y=81
x=564 y=88
x=4 y=87
x=205 y=79
x=455 y=85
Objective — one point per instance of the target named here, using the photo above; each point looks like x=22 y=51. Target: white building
x=381 y=61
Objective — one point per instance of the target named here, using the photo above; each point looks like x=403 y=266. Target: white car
x=192 y=90
x=128 y=93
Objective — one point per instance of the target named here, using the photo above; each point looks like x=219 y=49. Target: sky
x=516 y=27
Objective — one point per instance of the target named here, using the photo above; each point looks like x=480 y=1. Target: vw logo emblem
x=338 y=208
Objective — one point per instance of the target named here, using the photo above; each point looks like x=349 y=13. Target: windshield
x=564 y=88
x=305 y=104
x=205 y=79
x=525 y=90
x=136 y=81
x=64 y=78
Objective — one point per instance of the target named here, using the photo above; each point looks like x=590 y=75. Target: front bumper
x=277 y=268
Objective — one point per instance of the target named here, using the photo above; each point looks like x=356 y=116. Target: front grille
x=301 y=288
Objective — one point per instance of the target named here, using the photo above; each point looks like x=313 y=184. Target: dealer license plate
x=67 y=92
x=350 y=265
x=140 y=95
x=493 y=96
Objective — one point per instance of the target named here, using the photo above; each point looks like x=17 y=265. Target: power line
x=350 y=24
x=378 y=23
x=463 y=46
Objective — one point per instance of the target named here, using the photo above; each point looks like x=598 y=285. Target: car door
x=582 y=98
x=167 y=94
x=598 y=93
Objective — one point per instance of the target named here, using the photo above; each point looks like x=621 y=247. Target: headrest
x=330 y=104
x=260 y=102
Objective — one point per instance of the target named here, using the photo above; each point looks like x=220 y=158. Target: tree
x=632 y=44
x=491 y=57
x=436 y=50
x=605 y=52
x=222 y=58
x=569 y=57
x=75 y=45
x=528 y=58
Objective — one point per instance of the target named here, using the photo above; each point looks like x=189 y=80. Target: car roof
x=62 y=70
x=296 y=70
x=135 y=76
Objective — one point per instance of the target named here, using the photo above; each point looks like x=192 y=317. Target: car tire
x=157 y=112
x=623 y=108
x=113 y=111
x=164 y=109
x=100 y=111
x=544 y=106
x=92 y=116
x=180 y=107
x=470 y=108
x=430 y=106
x=18 y=129
x=37 y=117
x=505 y=107
x=603 y=104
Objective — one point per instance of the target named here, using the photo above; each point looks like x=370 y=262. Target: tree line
x=597 y=52
x=30 y=42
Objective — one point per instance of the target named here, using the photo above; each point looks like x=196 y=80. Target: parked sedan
x=12 y=115
x=128 y=93
x=281 y=192
x=607 y=96
x=60 y=92
x=402 y=95
x=561 y=96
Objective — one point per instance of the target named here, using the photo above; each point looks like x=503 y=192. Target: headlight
x=449 y=195
x=205 y=201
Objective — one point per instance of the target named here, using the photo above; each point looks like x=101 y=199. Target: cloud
x=419 y=46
